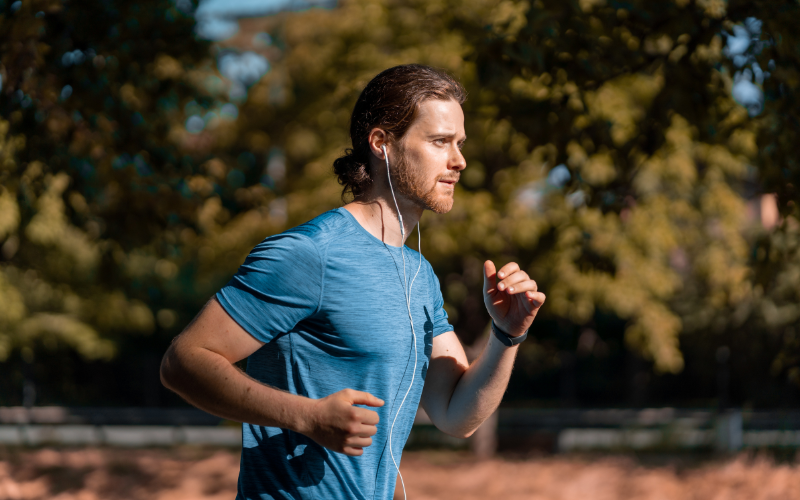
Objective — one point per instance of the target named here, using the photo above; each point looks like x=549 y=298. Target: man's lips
x=451 y=182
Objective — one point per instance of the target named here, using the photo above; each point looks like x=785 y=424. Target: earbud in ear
x=385 y=154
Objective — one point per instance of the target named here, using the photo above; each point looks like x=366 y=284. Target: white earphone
x=407 y=293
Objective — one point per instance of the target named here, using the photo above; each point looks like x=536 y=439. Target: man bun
x=352 y=171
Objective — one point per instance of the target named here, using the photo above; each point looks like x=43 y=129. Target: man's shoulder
x=319 y=229
x=316 y=233
x=306 y=243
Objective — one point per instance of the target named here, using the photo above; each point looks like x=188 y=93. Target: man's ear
x=377 y=137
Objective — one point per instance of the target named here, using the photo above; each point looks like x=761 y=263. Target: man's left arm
x=458 y=396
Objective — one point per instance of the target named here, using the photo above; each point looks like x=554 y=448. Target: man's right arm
x=199 y=366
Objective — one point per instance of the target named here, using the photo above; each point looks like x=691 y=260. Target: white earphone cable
x=407 y=293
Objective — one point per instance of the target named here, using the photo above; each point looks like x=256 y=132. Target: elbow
x=466 y=434
x=455 y=425
x=167 y=372
x=460 y=432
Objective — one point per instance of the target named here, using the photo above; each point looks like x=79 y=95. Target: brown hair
x=390 y=101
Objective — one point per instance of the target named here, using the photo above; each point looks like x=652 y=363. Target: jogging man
x=343 y=326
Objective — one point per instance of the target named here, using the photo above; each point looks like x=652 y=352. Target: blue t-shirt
x=327 y=299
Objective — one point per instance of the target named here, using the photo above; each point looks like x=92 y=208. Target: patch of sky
x=276 y=165
x=279 y=210
x=16 y=6
x=229 y=111
x=76 y=57
x=216 y=29
x=209 y=116
x=137 y=119
x=216 y=19
x=184 y=6
x=195 y=124
x=576 y=198
x=262 y=39
x=213 y=84
x=532 y=195
x=66 y=91
x=246 y=68
x=1 y=82
x=243 y=70
x=39 y=14
x=246 y=8
x=201 y=118
x=742 y=48
x=559 y=176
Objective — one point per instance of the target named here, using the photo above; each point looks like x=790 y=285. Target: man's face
x=430 y=162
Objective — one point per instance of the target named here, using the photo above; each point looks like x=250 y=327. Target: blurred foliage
x=635 y=102
x=605 y=155
x=102 y=201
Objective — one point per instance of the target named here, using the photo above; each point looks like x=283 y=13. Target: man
x=342 y=324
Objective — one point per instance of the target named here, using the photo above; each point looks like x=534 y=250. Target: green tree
x=98 y=201
x=606 y=155
x=630 y=101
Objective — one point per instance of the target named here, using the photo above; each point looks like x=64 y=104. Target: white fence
x=519 y=429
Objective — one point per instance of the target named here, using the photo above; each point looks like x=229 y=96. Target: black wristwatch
x=507 y=339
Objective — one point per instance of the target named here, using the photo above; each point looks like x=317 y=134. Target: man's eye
x=439 y=141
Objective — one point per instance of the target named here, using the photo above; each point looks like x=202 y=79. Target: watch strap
x=507 y=339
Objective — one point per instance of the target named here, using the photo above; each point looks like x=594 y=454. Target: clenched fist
x=336 y=424
x=512 y=298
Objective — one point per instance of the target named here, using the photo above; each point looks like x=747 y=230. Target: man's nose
x=457 y=161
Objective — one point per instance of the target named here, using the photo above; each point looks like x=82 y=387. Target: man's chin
x=440 y=205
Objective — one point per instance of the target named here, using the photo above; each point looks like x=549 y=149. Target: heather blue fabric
x=327 y=298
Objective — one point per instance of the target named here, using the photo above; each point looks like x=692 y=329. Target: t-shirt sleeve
x=441 y=323
x=279 y=285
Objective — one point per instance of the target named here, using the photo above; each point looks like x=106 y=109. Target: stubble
x=410 y=179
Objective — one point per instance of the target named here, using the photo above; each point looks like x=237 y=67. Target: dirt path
x=190 y=474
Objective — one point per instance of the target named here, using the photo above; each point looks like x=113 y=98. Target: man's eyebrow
x=447 y=134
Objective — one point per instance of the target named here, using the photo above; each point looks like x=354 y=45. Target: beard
x=411 y=181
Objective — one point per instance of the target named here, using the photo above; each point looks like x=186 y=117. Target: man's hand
x=339 y=426
x=514 y=300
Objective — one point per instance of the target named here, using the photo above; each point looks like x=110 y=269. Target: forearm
x=480 y=389
x=210 y=382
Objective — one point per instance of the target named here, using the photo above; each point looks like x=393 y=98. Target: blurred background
x=637 y=158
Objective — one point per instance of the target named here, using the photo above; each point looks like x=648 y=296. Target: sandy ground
x=184 y=474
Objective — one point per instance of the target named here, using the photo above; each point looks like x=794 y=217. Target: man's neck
x=378 y=216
